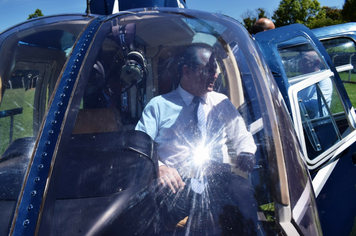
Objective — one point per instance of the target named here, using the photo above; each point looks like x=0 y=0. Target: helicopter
x=74 y=87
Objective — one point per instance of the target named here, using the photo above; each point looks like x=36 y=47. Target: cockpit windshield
x=171 y=130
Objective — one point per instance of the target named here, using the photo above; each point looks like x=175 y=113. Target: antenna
x=88 y=7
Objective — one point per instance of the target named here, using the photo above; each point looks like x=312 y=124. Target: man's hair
x=191 y=58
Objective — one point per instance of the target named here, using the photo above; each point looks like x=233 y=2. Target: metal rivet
x=47 y=143
x=37 y=179
x=40 y=167
x=72 y=73
x=30 y=207
x=50 y=132
x=62 y=95
x=57 y=113
x=75 y=65
x=54 y=122
x=69 y=80
x=26 y=223
x=60 y=103
x=45 y=153
x=33 y=193
x=65 y=87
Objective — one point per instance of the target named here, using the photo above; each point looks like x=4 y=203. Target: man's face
x=205 y=74
x=309 y=62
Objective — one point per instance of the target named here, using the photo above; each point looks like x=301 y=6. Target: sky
x=16 y=11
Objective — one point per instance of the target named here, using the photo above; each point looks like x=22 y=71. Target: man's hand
x=169 y=177
x=245 y=161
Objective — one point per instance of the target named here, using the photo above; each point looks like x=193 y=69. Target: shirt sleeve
x=239 y=138
x=148 y=122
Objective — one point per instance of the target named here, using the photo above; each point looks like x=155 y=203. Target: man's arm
x=149 y=123
x=242 y=141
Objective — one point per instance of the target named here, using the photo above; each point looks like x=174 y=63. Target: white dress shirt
x=167 y=119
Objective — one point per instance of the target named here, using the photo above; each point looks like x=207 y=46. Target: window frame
x=335 y=149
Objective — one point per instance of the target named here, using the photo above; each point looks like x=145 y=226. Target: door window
x=27 y=79
x=343 y=54
x=317 y=109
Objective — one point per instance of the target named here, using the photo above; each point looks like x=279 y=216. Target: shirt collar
x=187 y=97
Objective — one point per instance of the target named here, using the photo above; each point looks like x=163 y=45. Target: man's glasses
x=206 y=70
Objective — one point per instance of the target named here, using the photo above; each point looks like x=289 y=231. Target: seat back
x=103 y=185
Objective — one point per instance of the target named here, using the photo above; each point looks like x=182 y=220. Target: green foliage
x=327 y=16
x=37 y=13
x=333 y=13
x=349 y=11
x=317 y=23
x=296 y=11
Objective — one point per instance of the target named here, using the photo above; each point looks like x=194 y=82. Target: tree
x=37 y=13
x=333 y=13
x=328 y=16
x=296 y=11
x=349 y=10
x=249 y=18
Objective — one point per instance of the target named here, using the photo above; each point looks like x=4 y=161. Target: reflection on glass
x=343 y=52
x=316 y=105
x=322 y=116
x=299 y=57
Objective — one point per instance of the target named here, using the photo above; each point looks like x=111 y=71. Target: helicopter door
x=314 y=97
x=322 y=116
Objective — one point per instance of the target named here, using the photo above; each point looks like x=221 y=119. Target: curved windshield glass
x=32 y=56
x=171 y=131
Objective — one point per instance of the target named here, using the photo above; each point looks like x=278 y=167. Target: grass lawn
x=351 y=91
x=350 y=87
x=23 y=123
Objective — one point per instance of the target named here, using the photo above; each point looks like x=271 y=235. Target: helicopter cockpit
x=102 y=175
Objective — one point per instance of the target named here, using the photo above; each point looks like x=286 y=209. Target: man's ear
x=186 y=70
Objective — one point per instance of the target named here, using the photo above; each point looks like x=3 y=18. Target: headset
x=134 y=68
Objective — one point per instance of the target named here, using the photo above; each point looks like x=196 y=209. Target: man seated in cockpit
x=200 y=136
